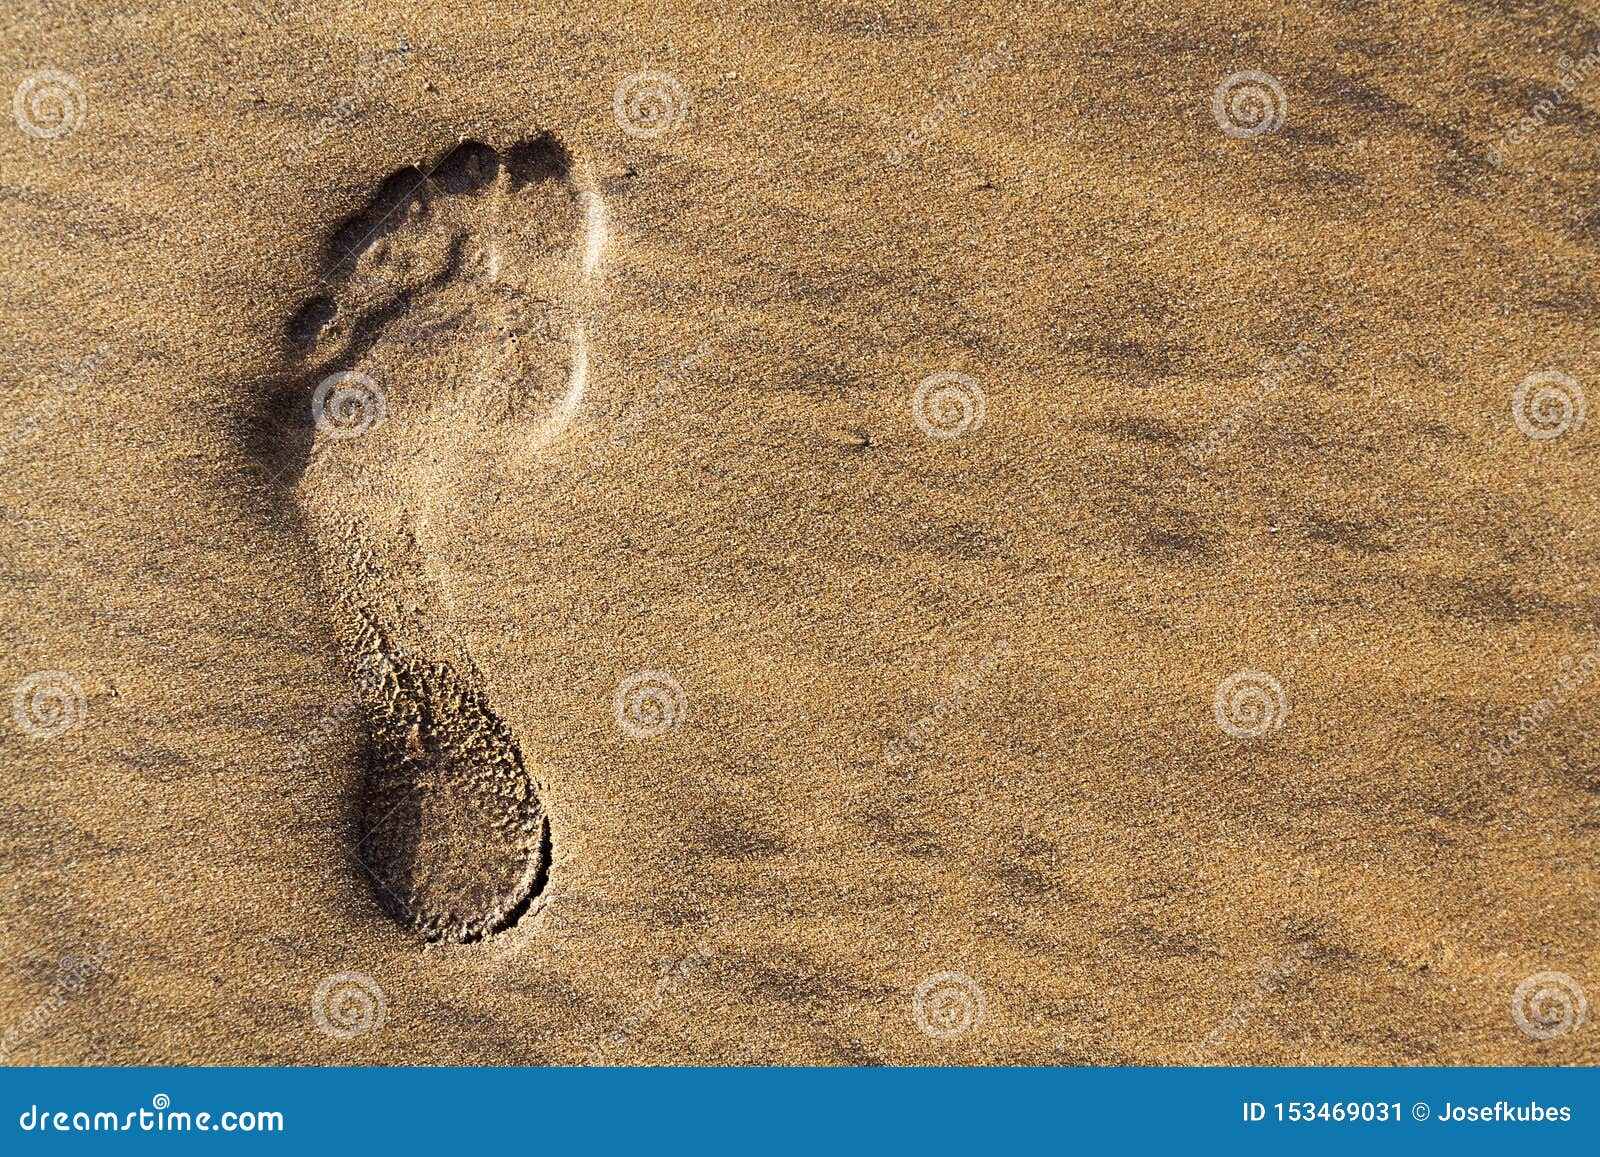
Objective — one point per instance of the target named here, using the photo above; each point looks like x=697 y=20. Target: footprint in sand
x=448 y=342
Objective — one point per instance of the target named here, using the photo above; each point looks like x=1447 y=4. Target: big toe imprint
x=448 y=333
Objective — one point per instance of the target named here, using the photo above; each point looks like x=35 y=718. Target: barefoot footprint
x=449 y=340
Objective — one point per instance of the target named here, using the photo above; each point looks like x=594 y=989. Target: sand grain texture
x=947 y=702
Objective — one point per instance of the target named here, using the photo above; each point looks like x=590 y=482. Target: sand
x=916 y=534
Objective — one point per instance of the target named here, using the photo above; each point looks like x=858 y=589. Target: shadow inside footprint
x=450 y=830
x=451 y=833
